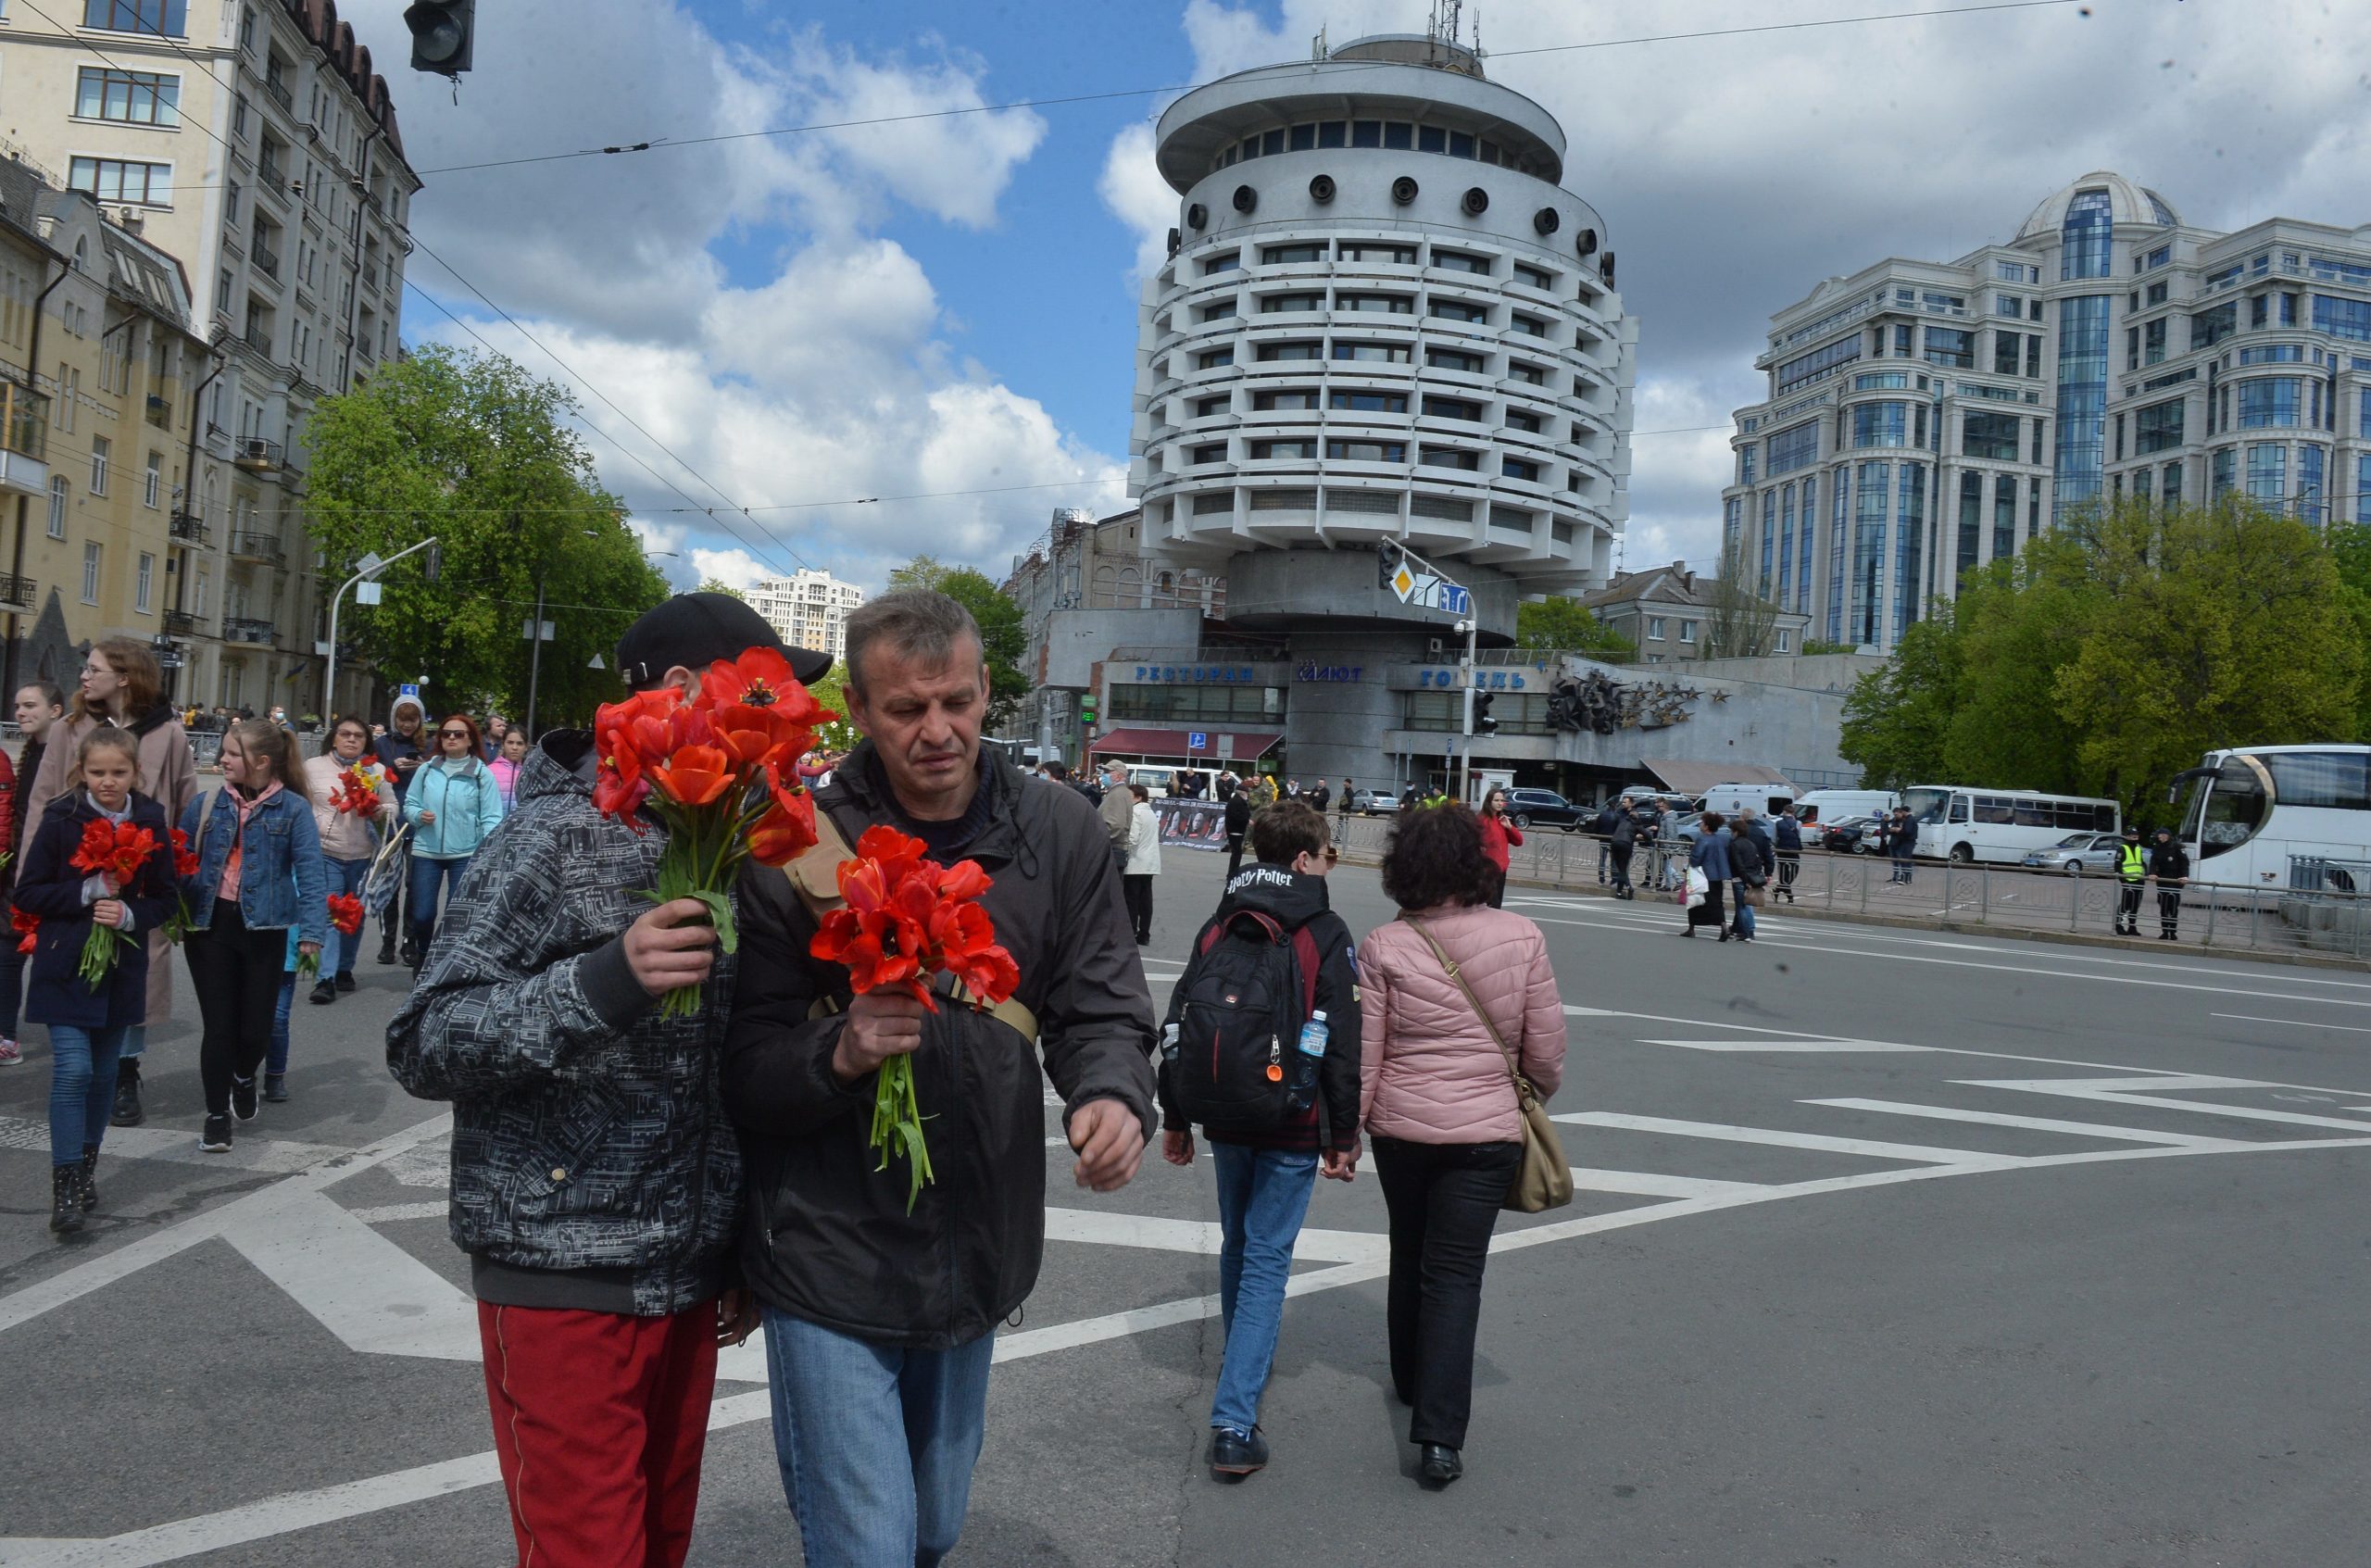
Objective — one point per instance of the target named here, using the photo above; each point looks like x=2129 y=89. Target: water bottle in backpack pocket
x=1239 y=1010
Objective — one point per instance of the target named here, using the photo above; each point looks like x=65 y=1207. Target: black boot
x=90 y=1178
x=275 y=1089
x=1437 y=1464
x=387 y=947
x=66 y=1198
x=127 y=1111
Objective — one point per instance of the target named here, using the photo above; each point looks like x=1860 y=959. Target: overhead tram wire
x=658 y=143
x=730 y=504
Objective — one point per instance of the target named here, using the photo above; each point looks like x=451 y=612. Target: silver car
x=2077 y=853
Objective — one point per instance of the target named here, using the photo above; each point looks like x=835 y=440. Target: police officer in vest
x=2169 y=863
x=2132 y=873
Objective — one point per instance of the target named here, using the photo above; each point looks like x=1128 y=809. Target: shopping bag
x=386 y=873
x=1694 y=891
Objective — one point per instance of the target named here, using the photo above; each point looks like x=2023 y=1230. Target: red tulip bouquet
x=346 y=913
x=27 y=927
x=902 y=919
x=357 y=791
x=722 y=770
x=116 y=851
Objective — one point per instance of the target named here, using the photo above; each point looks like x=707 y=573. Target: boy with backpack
x=1260 y=1050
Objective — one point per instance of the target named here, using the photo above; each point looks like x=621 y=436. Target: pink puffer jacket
x=1430 y=1073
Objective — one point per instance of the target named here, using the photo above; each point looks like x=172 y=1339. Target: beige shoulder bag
x=1543 y=1180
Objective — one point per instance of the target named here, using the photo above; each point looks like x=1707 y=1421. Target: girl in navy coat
x=87 y=1023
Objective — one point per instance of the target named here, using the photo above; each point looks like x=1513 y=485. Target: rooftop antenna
x=1447 y=23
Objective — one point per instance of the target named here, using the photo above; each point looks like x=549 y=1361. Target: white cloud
x=1132 y=188
x=734 y=568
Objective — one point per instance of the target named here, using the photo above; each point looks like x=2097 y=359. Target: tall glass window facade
x=1971 y=520
x=1785 y=543
x=2158 y=427
x=2004 y=516
x=2082 y=391
x=1803 y=536
x=1794 y=447
x=1869 y=552
x=2311 y=462
x=1839 y=562
x=1732 y=520
x=2268 y=473
x=2169 y=486
x=2343 y=317
x=2363 y=488
x=1989 y=436
x=1769 y=538
x=2271 y=400
x=2085 y=239
x=1881 y=424
x=1911 y=531
x=2226 y=473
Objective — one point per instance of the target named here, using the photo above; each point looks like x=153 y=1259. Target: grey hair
x=916 y=623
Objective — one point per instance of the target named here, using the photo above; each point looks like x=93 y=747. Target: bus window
x=2331 y=780
x=1993 y=810
x=2234 y=808
x=1958 y=809
x=2079 y=819
x=2104 y=819
x=2036 y=814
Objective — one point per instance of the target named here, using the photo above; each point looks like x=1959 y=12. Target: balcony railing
x=180 y=623
x=371 y=275
x=188 y=527
x=280 y=94
x=240 y=629
x=258 y=337
x=267 y=259
x=260 y=548
x=24 y=420
x=16 y=592
x=258 y=455
x=273 y=178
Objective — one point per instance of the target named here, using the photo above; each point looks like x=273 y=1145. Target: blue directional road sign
x=1197 y=740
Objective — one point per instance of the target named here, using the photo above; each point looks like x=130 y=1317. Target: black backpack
x=1235 y=1066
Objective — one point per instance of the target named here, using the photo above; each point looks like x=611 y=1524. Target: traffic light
x=1483 y=723
x=1086 y=711
x=441 y=34
x=1387 y=562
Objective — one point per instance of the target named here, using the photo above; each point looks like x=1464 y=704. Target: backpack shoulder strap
x=815 y=875
x=1312 y=963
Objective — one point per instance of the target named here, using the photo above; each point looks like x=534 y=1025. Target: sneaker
x=275 y=1088
x=242 y=1098
x=127 y=1111
x=216 y=1139
x=346 y=983
x=1237 y=1454
x=9 y=1053
x=387 y=951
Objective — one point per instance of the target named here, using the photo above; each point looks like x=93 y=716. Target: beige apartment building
x=96 y=349
x=808 y=609
x=251 y=140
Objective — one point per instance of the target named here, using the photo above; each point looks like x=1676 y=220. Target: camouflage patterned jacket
x=593 y=1165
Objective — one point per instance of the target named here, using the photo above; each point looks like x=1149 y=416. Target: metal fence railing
x=2331 y=918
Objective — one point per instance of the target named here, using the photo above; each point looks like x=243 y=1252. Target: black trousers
x=1711 y=912
x=2127 y=907
x=1621 y=862
x=1444 y=1202
x=2169 y=911
x=1137 y=890
x=1791 y=866
x=1233 y=855
x=236 y=975
x=1496 y=881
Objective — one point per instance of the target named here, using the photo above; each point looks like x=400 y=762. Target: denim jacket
x=283 y=881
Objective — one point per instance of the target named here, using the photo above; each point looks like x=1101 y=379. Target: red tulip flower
x=27 y=927
x=346 y=913
x=116 y=851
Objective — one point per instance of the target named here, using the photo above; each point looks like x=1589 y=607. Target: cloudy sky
x=948 y=303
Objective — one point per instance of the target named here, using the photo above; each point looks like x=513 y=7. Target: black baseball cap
x=694 y=631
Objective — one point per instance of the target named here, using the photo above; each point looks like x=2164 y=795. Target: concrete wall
x=1076 y=640
x=1301 y=591
x=1836 y=672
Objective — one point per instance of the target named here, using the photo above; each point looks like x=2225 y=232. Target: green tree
x=1739 y=623
x=1820 y=644
x=717 y=585
x=1557 y=622
x=1897 y=717
x=923 y=572
x=2351 y=547
x=473 y=450
x=2018 y=623
x=1003 y=637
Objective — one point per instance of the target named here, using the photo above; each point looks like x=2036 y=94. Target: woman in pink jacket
x=1437 y=1096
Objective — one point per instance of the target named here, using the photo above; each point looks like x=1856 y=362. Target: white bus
x=2256 y=812
x=1960 y=823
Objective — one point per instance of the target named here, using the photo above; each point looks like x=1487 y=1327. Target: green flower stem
x=898 y=1125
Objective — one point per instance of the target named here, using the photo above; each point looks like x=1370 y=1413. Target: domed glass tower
x=1383 y=318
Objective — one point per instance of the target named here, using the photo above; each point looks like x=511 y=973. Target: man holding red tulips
x=880 y=1317
x=596 y=1182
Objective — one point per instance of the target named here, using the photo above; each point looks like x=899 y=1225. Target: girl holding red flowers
x=88 y=1021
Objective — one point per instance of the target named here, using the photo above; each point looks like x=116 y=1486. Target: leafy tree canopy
x=1559 y=622
x=472 y=449
x=717 y=585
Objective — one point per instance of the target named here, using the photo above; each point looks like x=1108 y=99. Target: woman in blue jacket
x=1710 y=855
x=87 y=1023
x=260 y=871
x=453 y=803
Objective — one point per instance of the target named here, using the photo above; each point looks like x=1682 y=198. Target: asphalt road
x=1892 y=1248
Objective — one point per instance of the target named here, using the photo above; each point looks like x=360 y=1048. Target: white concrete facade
x=252 y=141
x=808 y=609
x=1925 y=417
x=1384 y=318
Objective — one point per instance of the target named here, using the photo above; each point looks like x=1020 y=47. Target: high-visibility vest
x=2132 y=862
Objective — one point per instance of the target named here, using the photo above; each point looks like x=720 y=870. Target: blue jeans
x=1263 y=1196
x=876 y=1443
x=82 y=1088
x=425 y=874
x=276 y=1058
x=344 y=876
x=1745 y=910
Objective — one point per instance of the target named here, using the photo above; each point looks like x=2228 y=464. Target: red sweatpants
x=599 y=1421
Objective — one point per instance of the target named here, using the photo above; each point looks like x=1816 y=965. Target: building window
x=1459 y=261
x=1217 y=358
x=1449 y=457
x=2343 y=317
x=2268 y=473
x=2270 y=401
x=1785 y=641
x=1367 y=451
x=1654 y=628
x=1280 y=304
x=1687 y=633
x=1213 y=452
x=1459 y=310
x=1371 y=402
x=1268 y=402
x=1274 y=449
x=2085 y=249
x=1223 y=310
x=1458 y=409
x=1271 y=353
x=136 y=97
x=1452 y=359
x=1516 y=468
x=99 y=449
x=169 y=17
x=121 y=180
x=1951 y=347
x=1374 y=353
x=1376 y=303
x=1207 y=406
x=1794 y=447
x=1293 y=256
x=152 y=484
x=1231 y=262
x=143 y=583
x=1398 y=256
x=2158 y=427
x=58 y=506
x=1989 y=436
x=91 y=573
x=1745 y=462
x=1881 y=424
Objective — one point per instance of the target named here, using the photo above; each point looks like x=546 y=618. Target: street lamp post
x=370 y=566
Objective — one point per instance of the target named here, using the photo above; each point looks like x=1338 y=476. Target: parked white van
x=1728 y=799
x=1835 y=804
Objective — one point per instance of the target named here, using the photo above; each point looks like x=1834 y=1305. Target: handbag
x=1543 y=1178
x=1692 y=892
